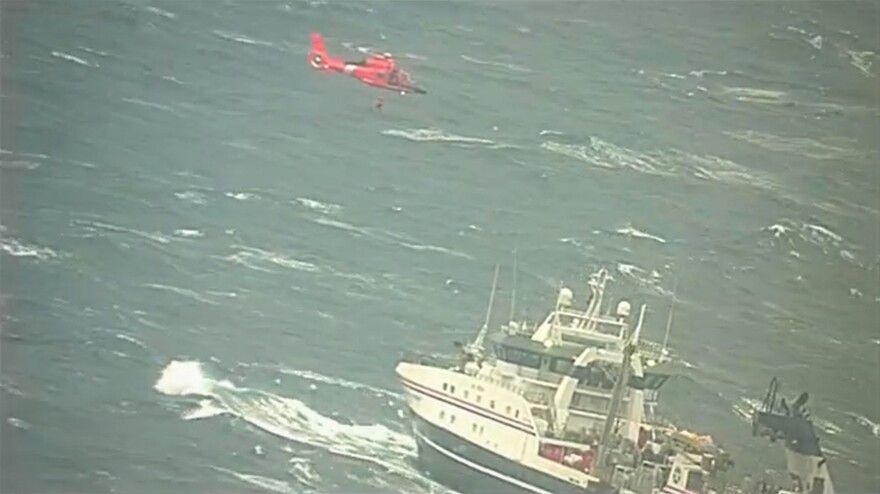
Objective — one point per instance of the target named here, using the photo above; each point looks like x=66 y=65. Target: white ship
x=564 y=406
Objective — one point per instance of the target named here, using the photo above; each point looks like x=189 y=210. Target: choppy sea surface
x=212 y=255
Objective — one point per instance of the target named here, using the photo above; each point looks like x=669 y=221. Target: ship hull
x=470 y=469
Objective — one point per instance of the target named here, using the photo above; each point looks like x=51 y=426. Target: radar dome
x=623 y=309
x=566 y=296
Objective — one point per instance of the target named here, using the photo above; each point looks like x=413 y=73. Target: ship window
x=442 y=414
x=492 y=404
x=654 y=381
x=474 y=427
x=479 y=398
x=507 y=409
x=445 y=386
x=451 y=419
x=452 y=389
x=466 y=394
x=481 y=429
x=694 y=481
x=562 y=366
x=523 y=358
x=516 y=413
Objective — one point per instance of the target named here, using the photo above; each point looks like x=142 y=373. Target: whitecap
x=293 y=420
x=434 y=135
x=322 y=207
x=634 y=232
x=240 y=38
x=255 y=258
x=188 y=233
x=71 y=58
x=160 y=12
x=18 y=423
x=149 y=104
x=192 y=196
x=185 y=292
x=504 y=65
x=14 y=248
x=242 y=196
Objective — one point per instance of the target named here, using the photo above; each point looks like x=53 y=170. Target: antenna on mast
x=513 y=291
x=478 y=341
x=669 y=319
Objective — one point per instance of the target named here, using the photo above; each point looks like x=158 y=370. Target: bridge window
x=561 y=366
x=474 y=427
x=451 y=419
x=442 y=414
x=465 y=394
x=523 y=358
x=479 y=398
x=507 y=409
x=516 y=413
x=694 y=481
x=445 y=386
x=452 y=389
x=492 y=404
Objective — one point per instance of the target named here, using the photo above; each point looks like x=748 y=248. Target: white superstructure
x=566 y=405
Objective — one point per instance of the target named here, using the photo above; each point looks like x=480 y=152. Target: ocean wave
x=19 y=165
x=336 y=381
x=793 y=233
x=862 y=61
x=150 y=104
x=636 y=233
x=206 y=409
x=160 y=12
x=131 y=339
x=94 y=226
x=242 y=196
x=188 y=233
x=18 y=423
x=874 y=427
x=240 y=38
x=192 y=196
x=387 y=237
x=93 y=51
x=756 y=95
x=549 y=132
x=435 y=135
x=802 y=146
x=701 y=73
x=70 y=58
x=341 y=225
x=293 y=420
x=184 y=292
x=303 y=471
x=435 y=248
x=256 y=259
x=651 y=280
x=321 y=207
x=670 y=162
x=15 y=248
x=26 y=155
x=504 y=65
x=260 y=481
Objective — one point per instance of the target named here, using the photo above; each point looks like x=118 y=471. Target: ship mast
x=616 y=397
x=478 y=341
x=513 y=290
x=664 y=351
